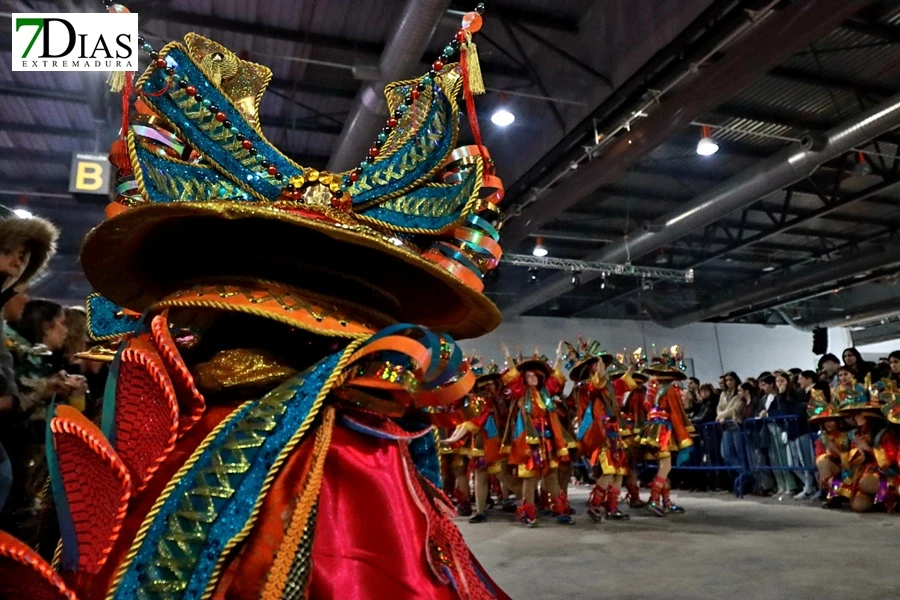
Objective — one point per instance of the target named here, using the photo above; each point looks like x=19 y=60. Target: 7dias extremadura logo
x=74 y=42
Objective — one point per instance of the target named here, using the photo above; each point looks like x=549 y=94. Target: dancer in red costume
x=479 y=438
x=268 y=425
x=667 y=431
x=534 y=438
x=634 y=415
x=602 y=432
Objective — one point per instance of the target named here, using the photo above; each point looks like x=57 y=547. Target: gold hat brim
x=146 y=253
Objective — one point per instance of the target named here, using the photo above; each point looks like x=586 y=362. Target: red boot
x=634 y=496
x=667 y=501
x=612 y=505
x=655 y=505
x=596 y=503
x=463 y=506
x=560 y=507
x=527 y=514
x=569 y=509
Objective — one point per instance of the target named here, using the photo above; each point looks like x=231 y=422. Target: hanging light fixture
x=502 y=117
x=862 y=167
x=707 y=146
x=539 y=249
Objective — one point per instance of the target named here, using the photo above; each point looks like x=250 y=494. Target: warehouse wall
x=713 y=348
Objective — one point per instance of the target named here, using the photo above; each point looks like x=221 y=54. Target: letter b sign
x=89 y=174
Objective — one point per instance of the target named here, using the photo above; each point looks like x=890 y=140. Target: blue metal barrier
x=763 y=452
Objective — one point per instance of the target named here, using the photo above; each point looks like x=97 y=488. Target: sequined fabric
x=241 y=368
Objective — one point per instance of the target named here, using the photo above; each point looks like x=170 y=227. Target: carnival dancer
x=667 y=431
x=832 y=446
x=454 y=470
x=874 y=449
x=479 y=438
x=602 y=432
x=534 y=438
x=268 y=427
x=634 y=415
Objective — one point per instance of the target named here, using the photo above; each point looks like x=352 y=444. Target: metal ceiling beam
x=873 y=335
x=832 y=82
x=789 y=282
x=793 y=223
x=783 y=169
x=862 y=314
x=545 y=20
x=409 y=39
x=367 y=51
x=889 y=33
x=76 y=132
x=791 y=29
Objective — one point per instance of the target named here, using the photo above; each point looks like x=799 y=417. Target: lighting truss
x=584 y=266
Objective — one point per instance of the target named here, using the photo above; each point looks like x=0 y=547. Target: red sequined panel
x=190 y=400
x=26 y=576
x=97 y=486
x=146 y=420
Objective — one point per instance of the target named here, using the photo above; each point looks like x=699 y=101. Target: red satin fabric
x=371 y=536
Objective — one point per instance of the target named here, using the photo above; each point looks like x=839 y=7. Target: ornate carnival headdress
x=204 y=196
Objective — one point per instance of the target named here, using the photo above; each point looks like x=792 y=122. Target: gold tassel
x=116 y=81
x=476 y=82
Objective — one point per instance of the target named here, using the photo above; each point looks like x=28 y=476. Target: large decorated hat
x=855 y=398
x=210 y=213
x=484 y=372
x=582 y=356
x=888 y=394
x=664 y=371
x=537 y=362
x=819 y=409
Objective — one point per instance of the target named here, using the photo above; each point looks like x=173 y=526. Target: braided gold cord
x=287 y=551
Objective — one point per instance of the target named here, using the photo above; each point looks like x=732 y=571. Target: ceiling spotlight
x=539 y=249
x=576 y=278
x=862 y=167
x=502 y=118
x=22 y=213
x=707 y=146
x=532 y=275
x=603 y=282
x=769 y=268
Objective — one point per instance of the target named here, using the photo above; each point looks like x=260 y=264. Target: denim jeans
x=778 y=458
x=802 y=455
x=733 y=446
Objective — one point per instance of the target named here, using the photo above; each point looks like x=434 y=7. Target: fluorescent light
x=502 y=118
x=707 y=147
x=769 y=268
x=22 y=213
x=540 y=251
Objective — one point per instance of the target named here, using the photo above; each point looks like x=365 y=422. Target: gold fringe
x=116 y=81
x=476 y=82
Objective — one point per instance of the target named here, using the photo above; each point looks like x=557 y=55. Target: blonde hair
x=76 y=323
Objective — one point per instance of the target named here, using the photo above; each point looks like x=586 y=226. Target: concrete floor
x=721 y=548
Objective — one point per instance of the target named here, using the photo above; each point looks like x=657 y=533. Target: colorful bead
x=429 y=79
x=449 y=50
x=213 y=108
x=402 y=109
x=227 y=124
x=221 y=117
x=247 y=144
x=354 y=176
x=461 y=36
x=190 y=90
x=392 y=122
x=234 y=130
x=373 y=152
x=272 y=170
x=198 y=98
x=414 y=94
x=207 y=102
x=382 y=137
x=437 y=65
x=160 y=63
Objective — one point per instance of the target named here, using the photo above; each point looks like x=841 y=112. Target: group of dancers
x=528 y=432
x=858 y=445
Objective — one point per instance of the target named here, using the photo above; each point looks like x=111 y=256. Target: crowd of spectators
x=755 y=434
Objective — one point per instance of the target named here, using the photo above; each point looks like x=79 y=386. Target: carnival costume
x=534 y=438
x=602 y=433
x=267 y=427
x=874 y=450
x=832 y=445
x=634 y=415
x=667 y=430
x=479 y=438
